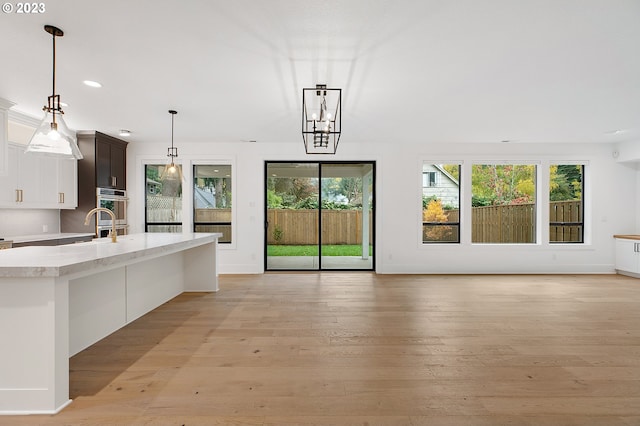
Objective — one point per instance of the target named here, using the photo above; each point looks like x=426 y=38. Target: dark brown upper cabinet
x=104 y=166
x=106 y=163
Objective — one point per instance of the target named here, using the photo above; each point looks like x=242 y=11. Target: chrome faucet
x=112 y=233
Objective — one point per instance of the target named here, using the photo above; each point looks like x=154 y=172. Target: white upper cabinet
x=38 y=182
x=4 y=135
x=67 y=184
x=9 y=195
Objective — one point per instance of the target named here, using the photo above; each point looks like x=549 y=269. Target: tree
x=565 y=182
x=497 y=184
x=274 y=201
x=453 y=170
x=434 y=213
x=351 y=188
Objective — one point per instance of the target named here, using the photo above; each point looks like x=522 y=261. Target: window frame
x=194 y=166
x=147 y=224
x=204 y=160
x=537 y=205
x=583 y=230
x=427 y=182
x=424 y=223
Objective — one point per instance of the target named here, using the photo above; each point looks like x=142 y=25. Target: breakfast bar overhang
x=56 y=301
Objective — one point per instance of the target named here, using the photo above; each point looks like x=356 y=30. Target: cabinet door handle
x=635 y=247
x=61 y=197
x=19 y=197
x=114 y=181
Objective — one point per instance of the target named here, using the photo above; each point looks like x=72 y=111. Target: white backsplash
x=20 y=222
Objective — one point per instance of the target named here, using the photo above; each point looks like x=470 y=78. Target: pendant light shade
x=53 y=137
x=172 y=171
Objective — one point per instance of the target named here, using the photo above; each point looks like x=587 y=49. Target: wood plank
x=360 y=348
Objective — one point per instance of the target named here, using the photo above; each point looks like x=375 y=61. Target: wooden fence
x=301 y=226
x=566 y=211
x=164 y=209
x=516 y=223
x=503 y=224
x=491 y=224
x=214 y=220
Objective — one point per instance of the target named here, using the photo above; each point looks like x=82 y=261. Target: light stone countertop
x=54 y=261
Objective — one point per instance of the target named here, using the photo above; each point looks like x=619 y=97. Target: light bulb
x=53 y=135
x=328 y=116
x=54 y=138
x=314 y=116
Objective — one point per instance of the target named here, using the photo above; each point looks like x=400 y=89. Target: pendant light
x=171 y=170
x=321 y=126
x=53 y=137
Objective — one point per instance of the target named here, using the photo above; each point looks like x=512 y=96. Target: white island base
x=56 y=301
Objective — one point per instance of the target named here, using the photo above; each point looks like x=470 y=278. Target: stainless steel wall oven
x=115 y=200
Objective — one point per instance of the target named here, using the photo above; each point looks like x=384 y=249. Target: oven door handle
x=112 y=198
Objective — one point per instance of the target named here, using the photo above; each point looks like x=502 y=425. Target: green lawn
x=339 y=250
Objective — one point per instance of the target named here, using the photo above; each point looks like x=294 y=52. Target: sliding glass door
x=319 y=215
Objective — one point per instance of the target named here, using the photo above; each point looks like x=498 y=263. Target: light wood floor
x=366 y=349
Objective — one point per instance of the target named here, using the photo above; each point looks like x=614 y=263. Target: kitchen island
x=56 y=301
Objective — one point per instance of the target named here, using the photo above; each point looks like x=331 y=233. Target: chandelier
x=321 y=114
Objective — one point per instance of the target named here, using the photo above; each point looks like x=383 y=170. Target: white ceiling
x=452 y=71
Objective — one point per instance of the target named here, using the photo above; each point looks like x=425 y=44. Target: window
x=428 y=179
x=440 y=203
x=566 y=216
x=212 y=200
x=163 y=201
x=503 y=203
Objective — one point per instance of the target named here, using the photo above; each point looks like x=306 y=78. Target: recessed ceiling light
x=92 y=83
x=125 y=132
x=615 y=132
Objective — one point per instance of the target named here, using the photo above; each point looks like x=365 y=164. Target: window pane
x=503 y=203
x=163 y=201
x=212 y=201
x=440 y=203
x=566 y=217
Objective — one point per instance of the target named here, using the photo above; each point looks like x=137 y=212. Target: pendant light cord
x=53 y=94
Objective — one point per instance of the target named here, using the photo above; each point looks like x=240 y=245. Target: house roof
x=446 y=173
x=203 y=199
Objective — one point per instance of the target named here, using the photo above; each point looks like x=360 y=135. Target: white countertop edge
x=82 y=257
x=46 y=237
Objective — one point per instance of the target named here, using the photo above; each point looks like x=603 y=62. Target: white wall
x=18 y=222
x=610 y=204
x=628 y=153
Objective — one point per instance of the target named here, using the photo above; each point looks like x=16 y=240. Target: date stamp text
x=24 y=8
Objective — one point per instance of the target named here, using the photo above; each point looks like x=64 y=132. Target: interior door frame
x=320 y=164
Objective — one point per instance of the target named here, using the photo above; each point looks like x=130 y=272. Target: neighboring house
x=437 y=181
x=153 y=187
x=204 y=198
